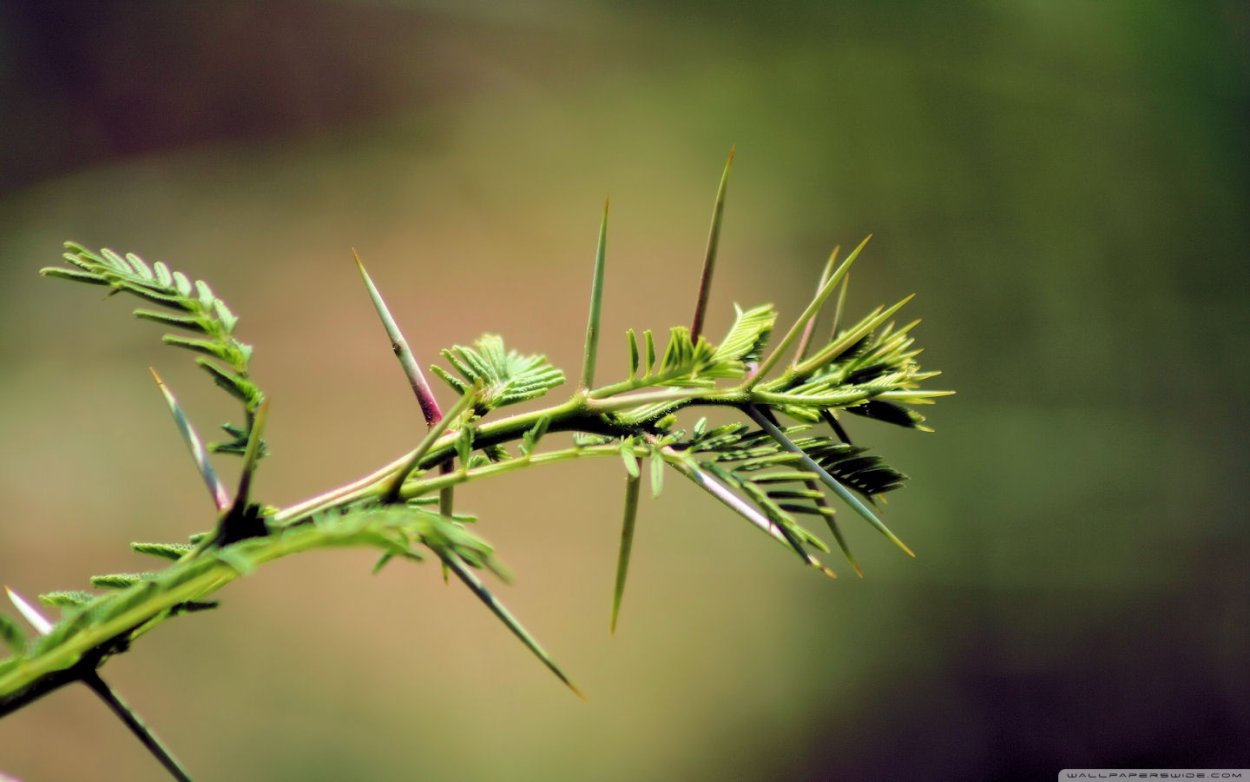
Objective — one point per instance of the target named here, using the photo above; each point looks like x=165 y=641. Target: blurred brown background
x=1064 y=184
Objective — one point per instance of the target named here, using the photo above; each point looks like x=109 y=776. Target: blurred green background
x=1064 y=185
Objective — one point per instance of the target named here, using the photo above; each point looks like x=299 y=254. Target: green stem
x=667 y=395
x=431 y=437
x=420 y=488
x=586 y=411
x=66 y=654
x=251 y=455
x=194 y=579
x=579 y=413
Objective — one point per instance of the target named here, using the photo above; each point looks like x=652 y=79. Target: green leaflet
x=173 y=551
x=67 y=599
x=189 y=322
x=231 y=352
x=634 y=366
x=628 y=457
x=74 y=275
x=120 y=580
x=888 y=412
x=12 y=634
x=234 y=384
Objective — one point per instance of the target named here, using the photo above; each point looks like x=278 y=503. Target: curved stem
x=32 y=678
x=73 y=649
x=103 y=632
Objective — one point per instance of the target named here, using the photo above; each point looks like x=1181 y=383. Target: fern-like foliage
x=67 y=598
x=870 y=370
x=691 y=363
x=851 y=465
x=752 y=462
x=746 y=339
x=189 y=306
x=97 y=625
x=683 y=363
x=688 y=363
x=506 y=376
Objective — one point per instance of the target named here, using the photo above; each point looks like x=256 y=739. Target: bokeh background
x=1064 y=185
